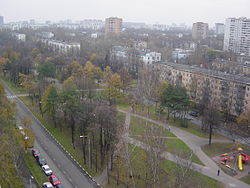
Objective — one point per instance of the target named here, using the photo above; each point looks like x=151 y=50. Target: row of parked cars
x=53 y=179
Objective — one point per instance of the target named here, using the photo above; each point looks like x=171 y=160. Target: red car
x=35 y=153
x=54 y=180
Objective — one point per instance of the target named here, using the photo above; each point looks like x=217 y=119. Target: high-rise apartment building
x=200 y=30
x=219 y=28
x=1 y=20
x=237 y=35
x=113 y=25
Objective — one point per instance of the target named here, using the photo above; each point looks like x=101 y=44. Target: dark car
x=194 y=114
x=59 y=186
x=54 y=180
x=41 y=161
x=35 y=153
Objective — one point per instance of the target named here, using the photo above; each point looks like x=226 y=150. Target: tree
x=113 y=85
x=182 y=171
x=210 y=118
x=176 y=100
x=70 y=99
x=47 y=70
x=154 y=160
x=148 y=82
x=50 y=102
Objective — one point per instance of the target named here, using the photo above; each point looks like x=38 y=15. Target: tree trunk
x=101 y=147
x=73 y=131
x=210 y=134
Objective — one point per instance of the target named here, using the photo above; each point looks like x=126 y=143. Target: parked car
x=194 y=114
x=54 y=180
x=59 y=186
x=35 y=153
x=19 y=127
x=47 y=170
x=47 y=185
x=41 y=161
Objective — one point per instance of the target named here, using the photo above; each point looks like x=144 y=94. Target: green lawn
x=138 y=127
x=35 y=169
x=192 y=128
x=139 y=164
x=219 y=148
x=196 y=130
x=16 y=90
x=246 y=179
x=175 y=146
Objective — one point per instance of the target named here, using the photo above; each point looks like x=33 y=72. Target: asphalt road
x=69 y=174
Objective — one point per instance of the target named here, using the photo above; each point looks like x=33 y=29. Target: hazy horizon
x=147 y=11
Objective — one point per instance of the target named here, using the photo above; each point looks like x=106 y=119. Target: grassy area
x=246 y=179
x=16 y=90
x=149 y=111
x=35 y=169
x=175 y=146
x=219 y=148
x=138 y=127
x=196 y=130
x=121 y=104
x=139 y=164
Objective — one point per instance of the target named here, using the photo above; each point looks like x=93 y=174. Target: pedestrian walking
x=218 y=173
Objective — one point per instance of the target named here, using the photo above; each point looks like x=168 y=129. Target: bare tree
x=154 y=159
x=184 y=176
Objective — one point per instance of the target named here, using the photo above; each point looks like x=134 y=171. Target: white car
x=47 y=170
x=47 y=185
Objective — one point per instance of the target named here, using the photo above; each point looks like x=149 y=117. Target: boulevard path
x=194 y=143
x=62 y=165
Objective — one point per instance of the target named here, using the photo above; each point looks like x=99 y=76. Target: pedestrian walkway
x=194 y=143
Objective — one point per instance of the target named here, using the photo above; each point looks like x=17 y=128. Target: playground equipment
x=241 y=158
x=240 y=162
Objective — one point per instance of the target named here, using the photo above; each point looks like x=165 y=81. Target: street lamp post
x=82 y=136
x=31 y=178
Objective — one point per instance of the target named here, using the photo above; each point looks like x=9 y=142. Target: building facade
x=219 y=28
x=19 y=37
x=237 y=35
x=132 y=58
x=1 y=20
x=113 y=25
x=60 y=47
x=200 y=31
x=228 y=92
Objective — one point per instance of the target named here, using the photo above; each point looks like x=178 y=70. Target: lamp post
x=31 y=178
x=82 y=136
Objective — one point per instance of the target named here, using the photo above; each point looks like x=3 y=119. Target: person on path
x=218 y=173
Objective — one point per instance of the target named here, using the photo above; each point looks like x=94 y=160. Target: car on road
x=47 y=185
x=59 y=186
x=194 y=114
x=54 y=180
x=35 y=153
x=47 y=170
x=41 y=161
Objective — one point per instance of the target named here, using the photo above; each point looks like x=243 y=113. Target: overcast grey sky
x=149 y=11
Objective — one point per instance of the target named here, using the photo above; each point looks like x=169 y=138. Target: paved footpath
x=194 y=143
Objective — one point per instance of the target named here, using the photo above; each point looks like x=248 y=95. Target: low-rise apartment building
x=60 y=47
x=228 y=92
